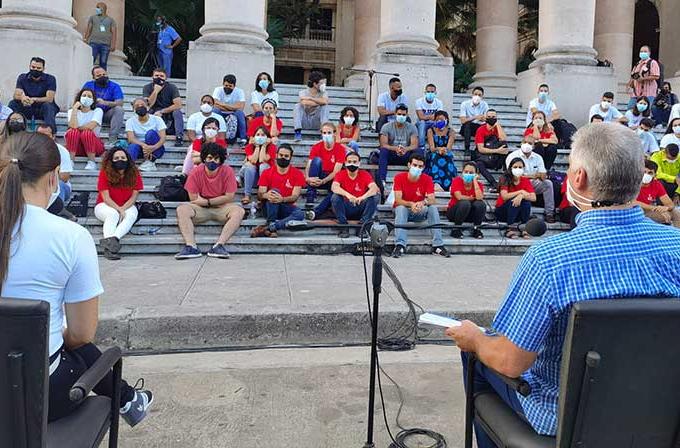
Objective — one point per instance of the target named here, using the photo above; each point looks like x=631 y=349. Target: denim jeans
x=423 y=126
x=250 y=173
x=403 y=215
x=510 y=214
x=151 y=138
x=100 y=52
x=316 y=170
x=278 y=215
x=64 y=191
x=174 y=119
x=388 y=157
x=344 y=210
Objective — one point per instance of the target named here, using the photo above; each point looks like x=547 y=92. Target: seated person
x=110 y=100
x=34 y=94
x=84 y=125
x=649 y=143
x=544 y=104
x=426 y=107
x=544 y=138
x=280 y=187
x=145 y=135
x=349 y=131
x=210 y=133
x=398 y=140
x=568 y=212
x=668 y=169
x=516 y=194
x=492 y=147
x=355 y=194
x=663 y=104
x=530 y=325
x=195 y=122
x=231 y=100
x=654 y=200
x=211 y=187
x=166 y=103
x=55 y=260
x=472 y=116
x=672 y=133
x=325 y=161
x=607 y=110
x=414 y=201
x=312 y=108
x=638 y=112
x=118 y=185
x=65 y=170
x=597 y=118
x=440 y=164
x=268 y=120
x=535 y=171
x=14 y=124
x=388 y=102
x=467 y=202
x=260 y=156
x=264 y=90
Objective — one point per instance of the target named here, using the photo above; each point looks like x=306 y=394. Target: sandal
x=526 y=235
x=245 y=200
x=511 y=234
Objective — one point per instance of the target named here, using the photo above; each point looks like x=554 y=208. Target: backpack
x=564 y=131
x=232 y=126
x=150 y=210
x=172 y=189
x=79 y=204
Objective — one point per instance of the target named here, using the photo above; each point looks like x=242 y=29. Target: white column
x=83 y=9
x=46 y=29
x=366 y=34
x=407 y=46
x=669 y=53
x=614 y=21
x=497 y=46
x=233 y=40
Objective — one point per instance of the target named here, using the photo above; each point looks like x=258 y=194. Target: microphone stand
x=371 y=74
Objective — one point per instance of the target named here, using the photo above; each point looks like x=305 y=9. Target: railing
x=325 y=35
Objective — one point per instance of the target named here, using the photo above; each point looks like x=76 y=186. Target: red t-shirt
x=208 y=187
x=329 y=157
x=565 y=202
x=543 y=135
x=345 y=131
x=524 y=184
x=650 y=193
x=357 y=186
x=259 y=122
x=196 y=145
x=284 y=183
x=413 y=191
x=459 y=185
x=119 y=195
x=483 y=132
x=271 y=150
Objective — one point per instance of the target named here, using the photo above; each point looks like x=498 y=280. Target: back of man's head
x=613 y=160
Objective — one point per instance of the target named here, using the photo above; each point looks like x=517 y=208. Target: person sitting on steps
x=34 y=94
x=426 y=108
x=109 y=100
x=264 y=90
x=313 y=105
x=145 y=135
x=492 y=147
x=398 y=141
x=654 y=200
x=231 y=100
x=197 y=119
x=210 y=131
x=516 y=194
x=467 y=202
x=388 y=102
x=325 y=162
x=84 y=124
x=544 y=138
x=349 y=131
x=165 y=102
x=260 y=156
x=269 y=120
x=472 y=116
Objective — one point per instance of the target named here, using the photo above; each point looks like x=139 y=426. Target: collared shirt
x=166 y=36
x=110 y=92
x=610 y=254
x=385 y=100
x=645 y=67
x=532 y=164
x=467 y=109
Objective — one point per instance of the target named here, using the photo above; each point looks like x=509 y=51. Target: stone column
x=669 y=13
x=229 y=43
x=83 y=9
x=407 y=46
x=497 y=46
x=614 y=21
x=46 y=29
x=366 y=34
x=344 y=39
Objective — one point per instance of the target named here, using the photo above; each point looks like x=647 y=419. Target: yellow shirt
x=667 y=171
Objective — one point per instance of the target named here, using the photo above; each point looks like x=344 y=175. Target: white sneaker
x=91 y=165
x=148 y=165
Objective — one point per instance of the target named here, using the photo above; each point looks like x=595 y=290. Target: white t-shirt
x=66 y=164
x=96 y=115
x=196 y=120
x=140 y=129
x=256 y=97
x=668 y=139
x=675 y=112
x=55 y=260
x=610 y=115
x=235 y=96
x=532 y=164
x=633 y=120
x=429 y=108
x=546 y=107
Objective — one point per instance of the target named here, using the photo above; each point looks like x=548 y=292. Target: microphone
x=535 y=227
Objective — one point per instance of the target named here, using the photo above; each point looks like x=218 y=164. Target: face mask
x=671 y=160
x=401 y=119
x=577 y=199
x=398 y=92
x=206 y=108
x=644 y=55
x=468 y=177
x=86 y=101
x=159 y=23
x=349 y=121
x=35 y=73
x=517 y=172
x=211 y=133
x=604 y=105
x=260 y=140
x=328 y=139
x=539 y=122
x=263 y=84
x=16 y=126
x=542 y=95
x=55 y=194
x=491 y=121
x=647 y=178
x=283 y=163
x=440 y=124
x=120 y=165
x=98 y=11
x=430 y=96
x=527 y=148
x=267 y=113
x=676 y=130
x=212 y=166
x=102 y=81
x=476 y=99
x=228 y=90
x=641 y=107
x=322 y=87
x=159 y=81
x=641 y=131
x=142 y=111
x=352 y=168
x=415 y=172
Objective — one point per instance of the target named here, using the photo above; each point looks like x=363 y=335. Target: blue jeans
x=64 y=191
x=240 y=121
x=388 y=157
x=40 y=111
x=403 y=215
x=353 y=145
x=100 y=52
x=316 y=170
x=661 y=116
x=345 y=210
x=486 y=381
x=151 y=138
x=165 y=61
x=250 y=174
x=511 y=214
x=423 y=126
x=278 y=215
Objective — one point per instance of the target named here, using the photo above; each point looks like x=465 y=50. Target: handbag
x=79 y=204
x=150 y=210
x=172 y=189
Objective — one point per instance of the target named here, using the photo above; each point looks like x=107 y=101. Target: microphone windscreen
x=536 y=227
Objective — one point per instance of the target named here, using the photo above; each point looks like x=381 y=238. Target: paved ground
x=303 y=398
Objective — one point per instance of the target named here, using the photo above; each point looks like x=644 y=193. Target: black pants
x=486 y=162
x=72 y=365
x=40 y=111
x=547 y=152
x=468 y=131
x=510 y=214
x=670 y=188
x=568 y=216
x=467 y=211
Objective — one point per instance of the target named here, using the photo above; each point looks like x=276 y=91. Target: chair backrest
x=620 y=374
x=23 y=372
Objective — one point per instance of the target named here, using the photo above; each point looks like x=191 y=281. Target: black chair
x=619 y=382
x=24 y=380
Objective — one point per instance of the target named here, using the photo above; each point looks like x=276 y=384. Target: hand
x=275 y=197
x=101 y=101
x=660 y=209
x=26 y=101
x=158 y=113
x=314 y=181
x=480 y=118
x=157 y=88
x=441 y=151
x=517 y=200
x=77 y=105
x=168 y=46
x=541 y=176
x=121 y=214
x=147 y=150
x=417 y=207
x=502 y=151
x=465 y=336
x=352 y=199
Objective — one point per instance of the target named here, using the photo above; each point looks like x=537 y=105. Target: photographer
x=643 y=78
x=168 y=39
x=663 y=103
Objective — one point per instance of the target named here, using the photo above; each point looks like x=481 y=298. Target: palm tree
x=456 y=27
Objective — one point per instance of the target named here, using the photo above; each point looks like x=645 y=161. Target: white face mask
x=647 y=178
x=260 y=140
x=86 y=101
x=476 y=99
x=322 y=87
x=518 y=172
x=527 y=148
x=539 y=122
x=206 y=108
x=349 y=121
x=604 y=105
x=211 y=133
x=676 y=130
x=577 y=199
x=55 y=194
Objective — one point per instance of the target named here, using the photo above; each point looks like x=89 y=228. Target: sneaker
x=298 y=135
x=136 y=410
x=441 y=251
x=550 y=219
x=148 y=165
x=218 y=251
x=343 y=233
x=242 y=142
x=310 y=215
x=477 y=233
x=399 y=250
x=456 y=233
x=179 y=141
x=188 y=252
x=91 y=165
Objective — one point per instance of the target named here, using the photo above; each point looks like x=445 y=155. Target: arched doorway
x=646 y=31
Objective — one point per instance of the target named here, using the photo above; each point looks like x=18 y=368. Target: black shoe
x=112 y=244
x=399 y=250
x=110 y=255
x=343 y=233
x=550 y=219
x=441 y=251
x=456 y=233
x=179 y=141
x=477 y=233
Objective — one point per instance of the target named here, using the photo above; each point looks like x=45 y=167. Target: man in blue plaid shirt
x=614 y=252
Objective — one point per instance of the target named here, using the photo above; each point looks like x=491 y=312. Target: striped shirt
x=610 y=254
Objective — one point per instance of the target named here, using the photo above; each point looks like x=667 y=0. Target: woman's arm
x=430 y=140
x=550 y=141
x=131 y=202
x=452 y=139
x=81 y=321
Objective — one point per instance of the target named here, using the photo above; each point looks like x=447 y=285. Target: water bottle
x=253 y=210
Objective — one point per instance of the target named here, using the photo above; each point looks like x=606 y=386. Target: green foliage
x=463 y=75
x=291 y=17
x=275 y=29
x=456 y=27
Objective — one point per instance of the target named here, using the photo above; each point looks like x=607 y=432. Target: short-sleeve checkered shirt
x=610 y=254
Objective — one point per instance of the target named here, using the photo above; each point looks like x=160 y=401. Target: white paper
x=440 y=321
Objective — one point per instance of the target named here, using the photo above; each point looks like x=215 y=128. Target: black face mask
x=16 y=126
x=102 y=81
x=35 y=73
x=283 y=163
x=120 y=165
x=159 y=81
x=398 y=92
x=352 y=168
x=491 y=121
x=142 y=111
x=228 y=90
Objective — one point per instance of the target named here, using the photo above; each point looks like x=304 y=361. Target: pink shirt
x=648 y=87
x=208 y=187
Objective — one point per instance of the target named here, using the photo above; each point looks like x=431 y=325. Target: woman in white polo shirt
x=44 y=257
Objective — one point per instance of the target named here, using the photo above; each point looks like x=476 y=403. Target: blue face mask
x=401 y=119
x=430 y=96
x=328 y=138
x=263 y=83
x=441 y=124
x=542 y=95
x=468 y=177
x=644 y=55
x=98 y=11
x=212 y=166
x=415 y=172
x=641 y=107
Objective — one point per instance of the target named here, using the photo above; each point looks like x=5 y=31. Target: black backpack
x=172 y=189
x=150 y=210
x=564 y=131
x=79 y=204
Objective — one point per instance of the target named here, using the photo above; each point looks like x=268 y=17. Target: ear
x=580 y=179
